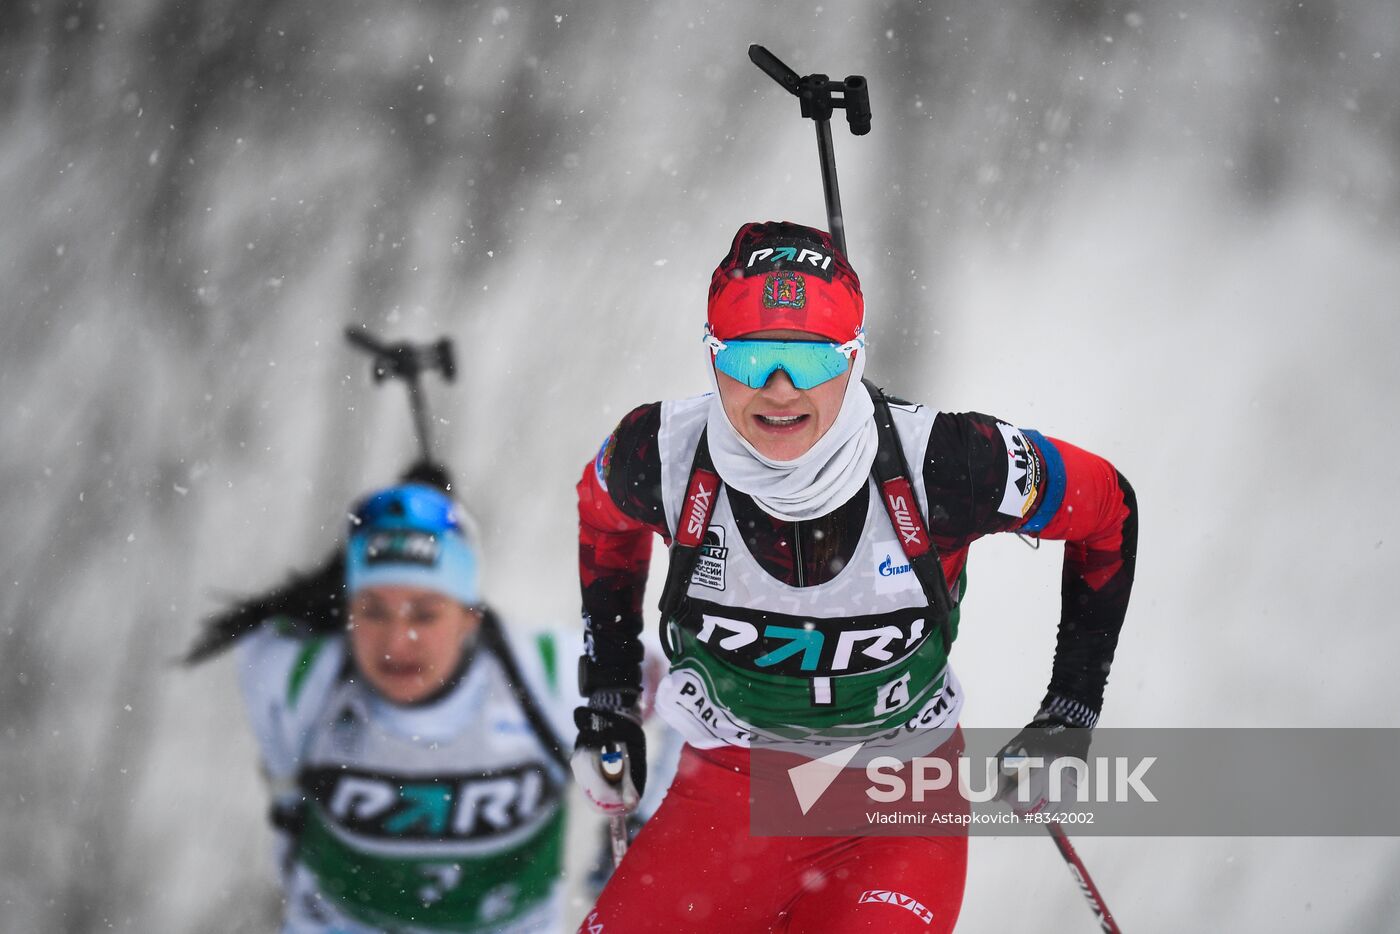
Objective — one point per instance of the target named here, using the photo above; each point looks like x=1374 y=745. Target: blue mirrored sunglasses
x=409 y=506
x=807 y=363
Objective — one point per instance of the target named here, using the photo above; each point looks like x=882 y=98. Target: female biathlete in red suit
x=801 y=609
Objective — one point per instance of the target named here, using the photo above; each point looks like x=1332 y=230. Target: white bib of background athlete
x=474 y=749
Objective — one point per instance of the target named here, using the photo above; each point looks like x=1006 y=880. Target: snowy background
x=1168 y=232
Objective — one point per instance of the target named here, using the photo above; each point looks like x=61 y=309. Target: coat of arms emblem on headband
x=784 y=289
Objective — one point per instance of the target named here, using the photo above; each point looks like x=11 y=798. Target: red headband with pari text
x=779 y=275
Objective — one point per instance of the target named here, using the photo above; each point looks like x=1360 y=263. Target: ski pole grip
x=610 y=763
x=774 y=68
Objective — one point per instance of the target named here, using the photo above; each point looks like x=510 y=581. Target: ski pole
x=1081 y=875
x=407 y=362
x=611 y=763
x=818 y=103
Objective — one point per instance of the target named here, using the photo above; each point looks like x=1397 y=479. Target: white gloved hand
x=609 y=760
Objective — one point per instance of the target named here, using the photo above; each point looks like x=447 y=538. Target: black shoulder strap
x=699 y=504
x=495 y=640
x=897 y=491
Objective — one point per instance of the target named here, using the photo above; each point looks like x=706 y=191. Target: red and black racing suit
x=695 y=867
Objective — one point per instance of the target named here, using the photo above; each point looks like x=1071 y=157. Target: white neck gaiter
x=825 y=477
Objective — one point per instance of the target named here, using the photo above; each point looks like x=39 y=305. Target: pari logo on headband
x=402 y=546
x=812 y=259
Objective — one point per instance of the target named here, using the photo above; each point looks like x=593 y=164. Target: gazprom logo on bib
x=889 y=569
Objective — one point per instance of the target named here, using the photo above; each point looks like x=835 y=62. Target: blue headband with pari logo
x=411 y=536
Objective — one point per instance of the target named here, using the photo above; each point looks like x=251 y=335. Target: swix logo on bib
x=443 y=808
x=805 y=257
x=904 y=514
x=789 y=645
x=699 y=502
x=402 y=547
x=1022 y=473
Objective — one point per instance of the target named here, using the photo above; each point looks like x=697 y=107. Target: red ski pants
x=695 y=867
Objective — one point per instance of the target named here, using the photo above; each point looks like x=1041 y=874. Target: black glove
x=1025 y=786
x=610 y=756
